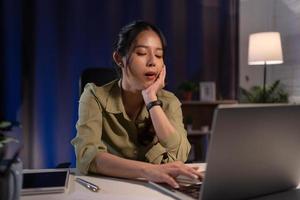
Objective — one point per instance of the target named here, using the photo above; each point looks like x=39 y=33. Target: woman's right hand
x=166 y=173
x=149 y=94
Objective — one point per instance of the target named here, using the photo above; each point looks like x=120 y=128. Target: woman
x=131 y=127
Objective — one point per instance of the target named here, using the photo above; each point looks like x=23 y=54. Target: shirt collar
x=115 y=104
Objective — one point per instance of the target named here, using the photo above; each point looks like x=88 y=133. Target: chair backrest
x=99 y=76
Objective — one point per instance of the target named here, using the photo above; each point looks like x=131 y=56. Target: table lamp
x=265 y=49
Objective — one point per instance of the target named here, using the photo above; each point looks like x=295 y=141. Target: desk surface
x=116 y=188
x=110 y=188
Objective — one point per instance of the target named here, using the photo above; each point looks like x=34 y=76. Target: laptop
x=44 y=181
x=254 y=151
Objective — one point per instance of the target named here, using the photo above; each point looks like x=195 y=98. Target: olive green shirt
x=104 y=126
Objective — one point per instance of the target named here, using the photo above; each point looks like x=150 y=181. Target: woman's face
x=144 y=61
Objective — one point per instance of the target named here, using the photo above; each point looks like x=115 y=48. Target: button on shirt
x=104 y=126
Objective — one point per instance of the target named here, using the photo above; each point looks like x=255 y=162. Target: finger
x=169 y=180
x=188 y=173
x=178 y=168
x=195 y=171
x=164 y=72
x=202 y=174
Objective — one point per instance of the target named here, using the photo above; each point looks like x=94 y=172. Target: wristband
x=154 y=103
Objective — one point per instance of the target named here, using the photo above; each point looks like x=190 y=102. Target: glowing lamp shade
x=265 y=49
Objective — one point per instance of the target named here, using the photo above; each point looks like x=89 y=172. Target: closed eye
x=141 y=54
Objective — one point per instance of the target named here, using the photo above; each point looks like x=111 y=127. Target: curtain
x=45 y=45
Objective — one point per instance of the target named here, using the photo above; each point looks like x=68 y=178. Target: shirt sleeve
x=176 y=146
x=89 y=130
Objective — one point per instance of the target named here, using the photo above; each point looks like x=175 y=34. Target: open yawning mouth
x=151 y=75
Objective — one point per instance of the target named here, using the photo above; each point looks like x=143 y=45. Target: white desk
x=111 y=188
x=124 y=189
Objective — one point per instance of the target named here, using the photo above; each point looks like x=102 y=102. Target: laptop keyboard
x=192 y=190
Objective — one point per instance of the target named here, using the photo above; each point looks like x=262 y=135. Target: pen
x=88 y=185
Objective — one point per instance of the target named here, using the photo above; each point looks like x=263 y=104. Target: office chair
x=63 y=165
x=98 y=76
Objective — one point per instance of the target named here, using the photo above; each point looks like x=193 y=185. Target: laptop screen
x=253 y=151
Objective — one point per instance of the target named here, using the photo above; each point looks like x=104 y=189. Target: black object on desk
x=44 y=181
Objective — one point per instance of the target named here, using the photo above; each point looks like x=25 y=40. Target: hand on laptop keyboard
x=167 y=173
x=183 y=180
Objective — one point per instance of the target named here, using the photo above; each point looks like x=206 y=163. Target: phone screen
x=44 y=179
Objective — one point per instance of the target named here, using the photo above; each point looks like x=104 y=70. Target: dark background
x=46 y=44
